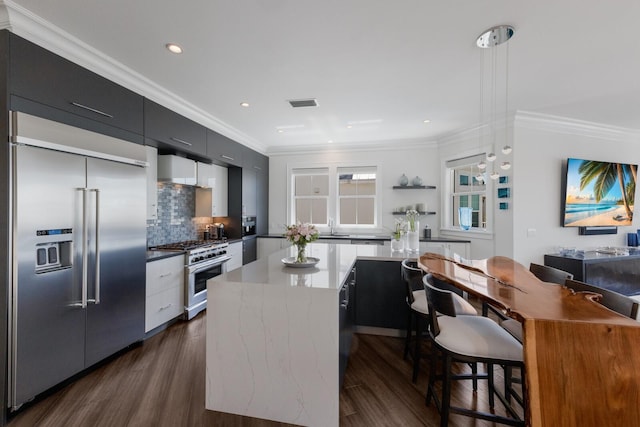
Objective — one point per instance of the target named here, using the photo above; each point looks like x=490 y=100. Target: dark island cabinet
x=48 y=80
x=171 y=132
x=346 y=321
x=380 y=295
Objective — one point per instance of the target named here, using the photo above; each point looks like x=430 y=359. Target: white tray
x=291 y=262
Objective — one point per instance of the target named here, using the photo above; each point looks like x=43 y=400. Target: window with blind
x=356 y=204
x=311 y=195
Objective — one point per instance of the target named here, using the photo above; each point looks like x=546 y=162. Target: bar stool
x=467 y=339
x=417 y=313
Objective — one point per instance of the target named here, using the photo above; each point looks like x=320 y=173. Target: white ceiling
x=382 y=65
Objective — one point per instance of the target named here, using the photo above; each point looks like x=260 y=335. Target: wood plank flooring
x=161 y=383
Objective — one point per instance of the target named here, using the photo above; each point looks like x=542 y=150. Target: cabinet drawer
x=170 y=130
x=165 y=274
x=42 y=76
x=163 y=307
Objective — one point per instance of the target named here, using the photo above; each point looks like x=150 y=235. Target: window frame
x=333 y=204
x=317 y=171
x=449 y=167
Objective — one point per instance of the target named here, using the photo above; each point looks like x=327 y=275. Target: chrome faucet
x=330 y=224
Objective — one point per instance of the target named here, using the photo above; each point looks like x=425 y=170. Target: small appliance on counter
x=426 y=232
x=217 y=232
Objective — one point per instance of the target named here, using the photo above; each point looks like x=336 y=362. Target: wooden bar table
x=582 y=359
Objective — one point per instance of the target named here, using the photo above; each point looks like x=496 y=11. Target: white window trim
x=446 y=226
x=309 y=172
x=333 y=192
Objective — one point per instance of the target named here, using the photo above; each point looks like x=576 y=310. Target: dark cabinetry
x=249 y=249
x=346 y=312
x=618 y=273
x=249 y=190
x=257 y=167
x=170 y=131
x=380 y=296
x=46 y=79
x=222 y=150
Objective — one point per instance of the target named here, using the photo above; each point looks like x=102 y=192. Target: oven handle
x=194 y=269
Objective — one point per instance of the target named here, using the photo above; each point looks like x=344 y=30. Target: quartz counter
x=273 y=335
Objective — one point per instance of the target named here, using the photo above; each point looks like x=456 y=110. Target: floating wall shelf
x=414 y=187
x=421 y=213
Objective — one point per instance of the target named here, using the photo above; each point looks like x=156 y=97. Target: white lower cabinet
x=235 y=251
x=165 y=291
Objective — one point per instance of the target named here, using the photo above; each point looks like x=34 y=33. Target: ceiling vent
x=297 y=103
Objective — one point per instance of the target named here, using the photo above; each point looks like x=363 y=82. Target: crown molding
x=386 y=145
x=32 y=27
x=557 y=124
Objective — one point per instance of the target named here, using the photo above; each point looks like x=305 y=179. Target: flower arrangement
x=412 y=219
x=300 y=234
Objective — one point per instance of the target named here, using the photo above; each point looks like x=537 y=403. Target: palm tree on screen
x=605 y=175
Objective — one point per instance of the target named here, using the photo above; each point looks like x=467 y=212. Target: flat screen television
x=599 y=194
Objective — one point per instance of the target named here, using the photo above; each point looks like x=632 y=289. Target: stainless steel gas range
x=204 y=259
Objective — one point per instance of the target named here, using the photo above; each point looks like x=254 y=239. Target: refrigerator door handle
x=97 y=238
x=85 y=249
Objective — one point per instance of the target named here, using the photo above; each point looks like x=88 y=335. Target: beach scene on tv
x=599 y=193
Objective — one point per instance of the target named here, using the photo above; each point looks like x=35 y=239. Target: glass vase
x=464 y=217
x=302 y=254
x=397 y=245
x=413 y=236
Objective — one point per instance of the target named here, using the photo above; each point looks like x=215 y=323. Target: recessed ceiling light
x=426 y=121
x=280 y=130
x=349 y=126
x=173 y=48
x=244 y=104
x=330 y=141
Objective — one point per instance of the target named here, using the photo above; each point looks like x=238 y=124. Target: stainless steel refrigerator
x=78 y=252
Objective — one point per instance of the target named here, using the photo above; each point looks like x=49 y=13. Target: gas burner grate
x=187 y=245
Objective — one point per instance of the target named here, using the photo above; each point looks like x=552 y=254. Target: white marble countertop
x=336 y=261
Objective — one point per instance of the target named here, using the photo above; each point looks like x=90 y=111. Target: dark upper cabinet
x=39 y=75
x=222 y=150
x=256 y=167
x=249 y=192
x=171 y=132
x=249 y=189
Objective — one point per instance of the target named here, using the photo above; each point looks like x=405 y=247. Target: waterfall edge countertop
x=273 y=334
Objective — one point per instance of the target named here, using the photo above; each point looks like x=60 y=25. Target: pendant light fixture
x=489 y=40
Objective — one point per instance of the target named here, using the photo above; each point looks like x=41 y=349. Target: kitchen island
x=273 y=334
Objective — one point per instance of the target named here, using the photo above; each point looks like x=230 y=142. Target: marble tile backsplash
x=176 y=222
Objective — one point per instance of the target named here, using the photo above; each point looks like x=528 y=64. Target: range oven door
x=196 y=290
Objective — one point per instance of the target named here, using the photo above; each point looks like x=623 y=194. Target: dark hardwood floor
x=161 y=383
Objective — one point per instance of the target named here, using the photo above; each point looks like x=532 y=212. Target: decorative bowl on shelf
x=417 y=181
x=404 y=181
x=291 y=262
